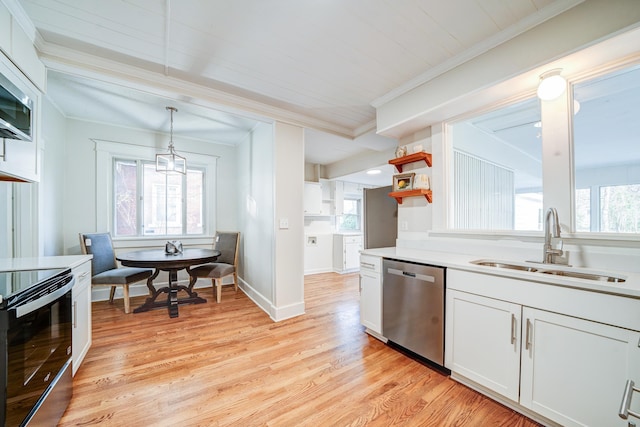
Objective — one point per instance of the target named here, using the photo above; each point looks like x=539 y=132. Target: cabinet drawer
x=352 y=239
x=82 y=274
x=370 y=263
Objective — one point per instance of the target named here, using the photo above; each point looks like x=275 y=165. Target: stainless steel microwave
x=16 y=112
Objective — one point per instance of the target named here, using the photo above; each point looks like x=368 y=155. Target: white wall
x=289 y=190
x=255 y=206
x=81 y=187
x=51 y=187
x=270 y=190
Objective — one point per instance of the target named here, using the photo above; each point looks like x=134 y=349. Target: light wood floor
x=228 y=364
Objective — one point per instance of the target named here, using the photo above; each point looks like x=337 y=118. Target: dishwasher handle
x=417 y=276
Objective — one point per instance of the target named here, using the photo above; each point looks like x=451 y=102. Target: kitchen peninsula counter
x=44 y=262
x=629 y=288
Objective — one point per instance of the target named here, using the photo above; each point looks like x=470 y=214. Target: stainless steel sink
x=504 y=265
x=548 y=269
x=582 y=275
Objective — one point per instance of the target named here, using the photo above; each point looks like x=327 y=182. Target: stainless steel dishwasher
x=413 y=307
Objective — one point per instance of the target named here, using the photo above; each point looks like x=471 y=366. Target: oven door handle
x=32 y=306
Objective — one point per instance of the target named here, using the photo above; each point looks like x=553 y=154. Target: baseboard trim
x=318 y=271
x=276 y=314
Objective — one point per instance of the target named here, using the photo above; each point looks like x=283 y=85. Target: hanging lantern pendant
x=171 y=162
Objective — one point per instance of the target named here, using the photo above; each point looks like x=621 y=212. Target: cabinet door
x=483 y=341
x=352 y=254
x=19 y=159
x=574 y=371
x=81 y=333
x=371 y=301
x=312 y=198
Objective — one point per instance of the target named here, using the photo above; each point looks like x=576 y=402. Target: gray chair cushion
x=226 y=243
x=214 y=270
x=102 y=250
x=121 y=276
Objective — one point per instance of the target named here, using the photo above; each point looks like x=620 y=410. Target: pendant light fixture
x=171 y=162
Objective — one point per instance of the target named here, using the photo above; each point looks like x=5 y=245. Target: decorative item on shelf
x=421 y=182
x=403 y=181
x=417 y=148
x=415 y=157
x=173 y=247
x=401 y=151
x=171 y=162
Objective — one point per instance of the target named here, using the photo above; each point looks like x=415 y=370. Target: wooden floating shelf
x=415 y=157
x=399 y=195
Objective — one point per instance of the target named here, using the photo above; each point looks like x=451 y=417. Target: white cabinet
x=569 y=370
x=574 y=371
x=483 y=341
x=346 y=252
x=371 y=294
x=5 y=28
x=337 y=194
x=314 y=199
x=17 y=46
x=81 y=296
x=19 y=159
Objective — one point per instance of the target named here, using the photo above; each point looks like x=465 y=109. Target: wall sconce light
x=551 y=85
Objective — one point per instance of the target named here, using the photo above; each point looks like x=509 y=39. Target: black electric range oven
x=35 y=346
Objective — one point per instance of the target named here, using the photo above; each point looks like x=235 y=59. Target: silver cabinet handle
x=411 y=275
x=75 y=314
x=513 y=328
x=527 y=340
x=84 y=274
x=367 y=265
x=626 y=401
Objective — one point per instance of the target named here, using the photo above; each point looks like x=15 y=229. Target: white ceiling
x=323 y=64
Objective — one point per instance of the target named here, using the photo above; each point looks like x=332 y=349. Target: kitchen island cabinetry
x=567 y=369
x=574 y=371
x=81 y=316
x=484 y=341
x=346 y=252
x=371 y=294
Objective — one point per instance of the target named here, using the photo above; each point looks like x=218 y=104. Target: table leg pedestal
x=172 y=300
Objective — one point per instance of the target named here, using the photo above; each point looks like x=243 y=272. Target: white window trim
x=107 y=151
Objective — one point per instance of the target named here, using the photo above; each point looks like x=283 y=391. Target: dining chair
x=228 y=243
x=104 y=267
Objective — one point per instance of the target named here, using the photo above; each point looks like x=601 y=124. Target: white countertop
x=629 y=288
x=41 y=263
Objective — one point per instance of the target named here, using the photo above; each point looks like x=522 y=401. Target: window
x=149 y=203
x=606 y=152
x=350 y=218
x=497 y=169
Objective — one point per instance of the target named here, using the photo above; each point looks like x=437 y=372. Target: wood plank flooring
x=228 y=364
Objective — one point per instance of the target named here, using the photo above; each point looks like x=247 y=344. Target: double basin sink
x=550 y=269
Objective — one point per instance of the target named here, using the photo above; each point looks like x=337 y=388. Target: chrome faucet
x=549 y=254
